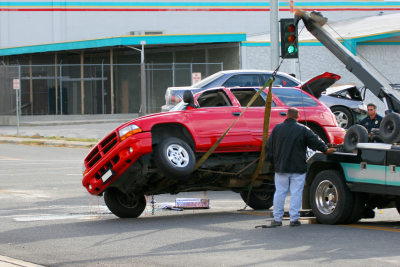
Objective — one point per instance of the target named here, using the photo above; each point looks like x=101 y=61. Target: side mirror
x=188 y=97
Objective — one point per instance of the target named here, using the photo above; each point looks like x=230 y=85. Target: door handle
x=236 y=114
x=282 y=113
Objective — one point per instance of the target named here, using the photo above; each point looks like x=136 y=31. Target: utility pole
x=274 y=33
x=143 y=78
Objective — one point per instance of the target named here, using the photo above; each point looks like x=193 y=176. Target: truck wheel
x=357 y=212
x=343 y=117
x=174 y=158
x=390 y=128
x=258 y=200
x=397 y=203
x=123 y=205
x=330 y=198
x=356 y=134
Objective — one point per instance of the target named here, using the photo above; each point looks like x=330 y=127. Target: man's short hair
x=293 y=113
x=371 y=105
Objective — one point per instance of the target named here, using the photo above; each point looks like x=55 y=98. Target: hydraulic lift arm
x=372 y=80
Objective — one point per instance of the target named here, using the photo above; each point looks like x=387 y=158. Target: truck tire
x=330 y=198
x=390 y=128
x=258 y=200
x=397 y=203
x=122 y=205
x=357 y=212
x=343 y=116
x=174 y=158
x=356 y=134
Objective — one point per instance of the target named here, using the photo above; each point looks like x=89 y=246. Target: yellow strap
x=211 y=150
x=267 y=115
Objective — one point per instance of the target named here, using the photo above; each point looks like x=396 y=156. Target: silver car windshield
x=181 y=106
x=207 y=80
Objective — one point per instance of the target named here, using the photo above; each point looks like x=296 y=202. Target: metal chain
x=230 y=173
x=235 y=174
x=152 y=204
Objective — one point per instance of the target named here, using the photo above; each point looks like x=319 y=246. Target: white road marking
x=7 y=158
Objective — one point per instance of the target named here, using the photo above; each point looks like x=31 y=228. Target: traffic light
x=289 y=39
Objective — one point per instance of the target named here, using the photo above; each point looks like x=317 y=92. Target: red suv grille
x=102 y=149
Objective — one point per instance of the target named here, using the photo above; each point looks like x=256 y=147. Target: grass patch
x=32 y=143
x=83 y=139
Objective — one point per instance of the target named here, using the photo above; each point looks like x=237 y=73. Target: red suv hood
x=320 y=83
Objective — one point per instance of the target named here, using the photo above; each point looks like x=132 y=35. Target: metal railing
x=63 y=89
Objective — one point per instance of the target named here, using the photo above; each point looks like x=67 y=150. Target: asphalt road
x=47 y=217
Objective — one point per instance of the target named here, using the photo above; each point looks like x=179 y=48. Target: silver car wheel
x=341 y=118
x=326 y=197
x=178 y=156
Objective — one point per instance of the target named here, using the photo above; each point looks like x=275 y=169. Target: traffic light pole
x=274 y=33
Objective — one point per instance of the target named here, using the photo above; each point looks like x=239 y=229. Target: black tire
x=356 y=134
x=258 y=200
x=330 y=198
x=181 y=165
x=397 y=203
x=357 y=212
x=344 y=117
x=122 y=204
x=390 y=128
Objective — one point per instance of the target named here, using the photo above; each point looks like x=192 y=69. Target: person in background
x=286 y=150
x=373 y=120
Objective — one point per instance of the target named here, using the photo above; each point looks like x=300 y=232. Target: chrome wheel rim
x=326 y=197
x=341 y=118
x=178 y=156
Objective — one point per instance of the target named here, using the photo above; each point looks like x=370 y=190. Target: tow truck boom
x=368 y=76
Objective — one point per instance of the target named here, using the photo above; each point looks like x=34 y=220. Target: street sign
x=196 y=77
x=15 y=84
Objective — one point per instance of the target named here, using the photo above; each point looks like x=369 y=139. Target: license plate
x=107 y=175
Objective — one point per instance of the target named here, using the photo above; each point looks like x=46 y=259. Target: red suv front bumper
x=110 y=158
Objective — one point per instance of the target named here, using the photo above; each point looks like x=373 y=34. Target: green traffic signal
x=291 y=49
x=289 y=38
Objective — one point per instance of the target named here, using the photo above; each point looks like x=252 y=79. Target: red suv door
x=214 y=116
x=254 y=115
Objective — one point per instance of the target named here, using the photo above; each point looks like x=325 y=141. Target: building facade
x=81 y=57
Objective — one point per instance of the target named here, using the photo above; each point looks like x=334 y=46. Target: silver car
x=344 y=101
x=228 y=78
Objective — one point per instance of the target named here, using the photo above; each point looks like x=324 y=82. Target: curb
x=77 y=122
x=28 y=141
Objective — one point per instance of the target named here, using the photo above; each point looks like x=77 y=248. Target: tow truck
x=347 y=185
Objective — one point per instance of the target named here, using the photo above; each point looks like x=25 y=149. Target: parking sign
x=15 y=84
x=196 y=77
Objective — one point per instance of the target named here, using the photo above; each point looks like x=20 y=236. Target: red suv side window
x=245 y=95
x=214 y=98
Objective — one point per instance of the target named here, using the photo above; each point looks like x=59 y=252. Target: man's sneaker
x=275 y=223
x=295 y=223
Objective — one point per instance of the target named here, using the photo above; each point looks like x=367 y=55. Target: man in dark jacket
x=286 y=149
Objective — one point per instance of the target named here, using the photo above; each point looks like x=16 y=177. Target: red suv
x=156 y=154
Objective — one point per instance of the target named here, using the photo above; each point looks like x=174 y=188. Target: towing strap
x=266 y=126
x=267 y=116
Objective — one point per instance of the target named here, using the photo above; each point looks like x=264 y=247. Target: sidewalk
x=10 y=262
x=86 y=131
x=47 y=142
x=93 y=130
